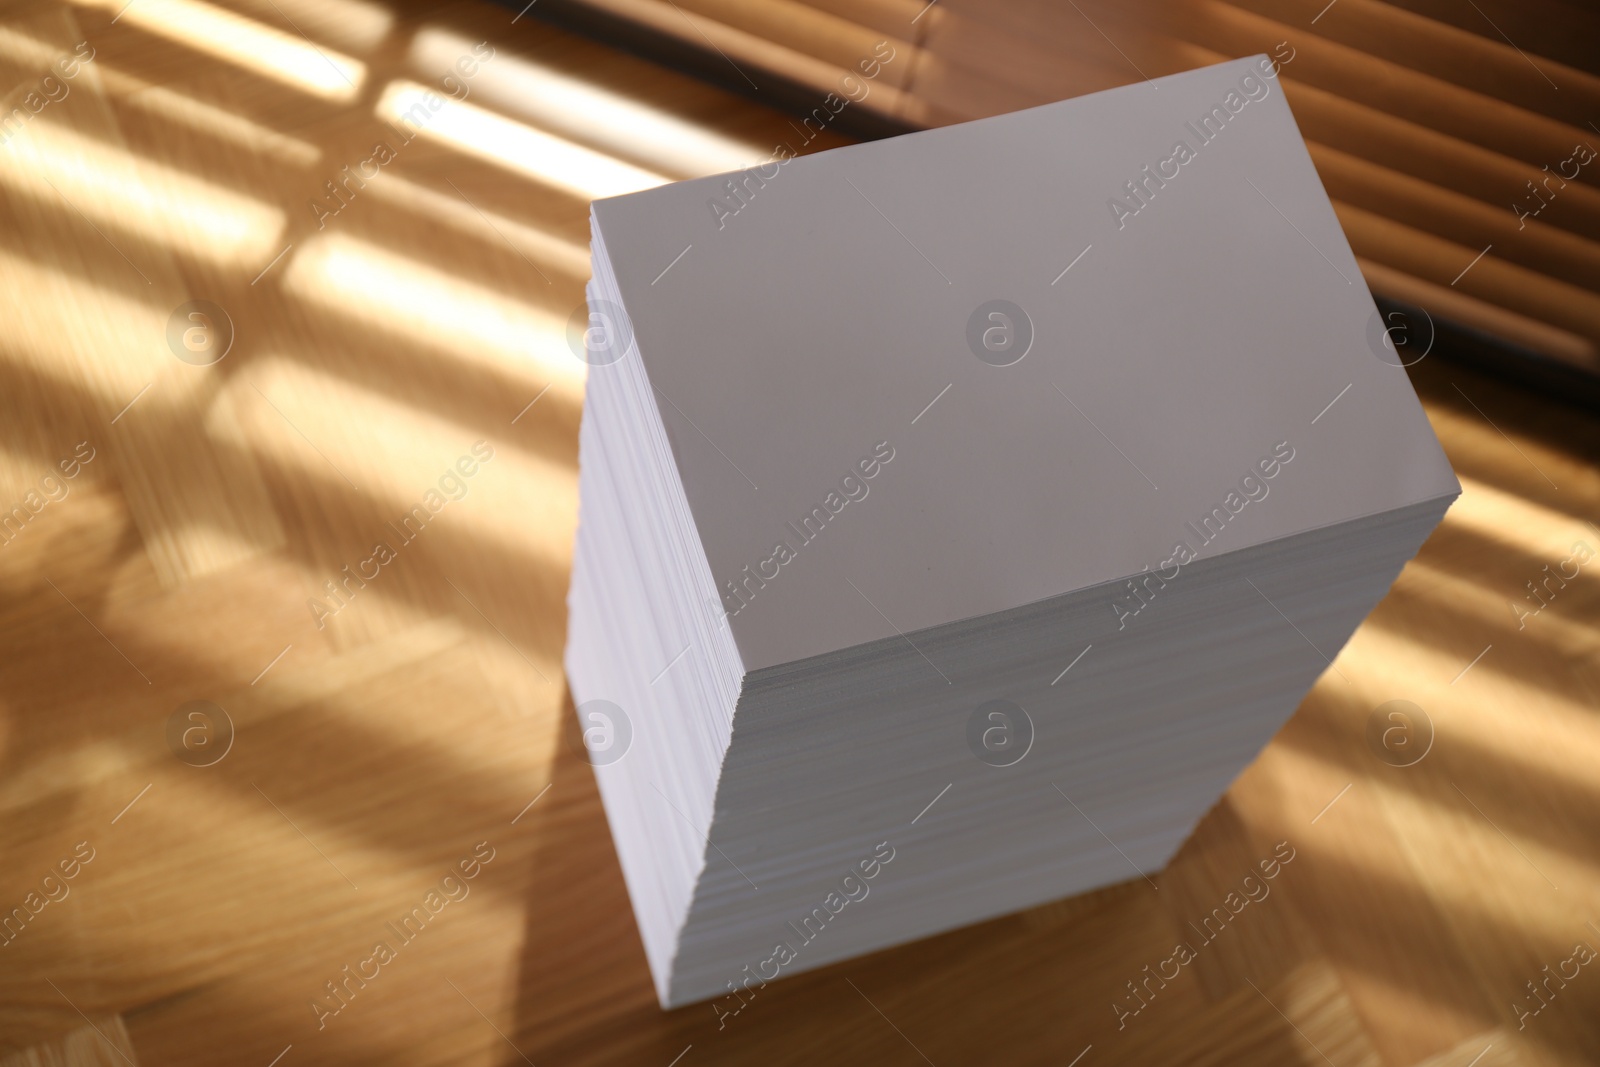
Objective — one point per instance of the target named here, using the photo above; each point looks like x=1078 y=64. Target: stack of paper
x=962 y=512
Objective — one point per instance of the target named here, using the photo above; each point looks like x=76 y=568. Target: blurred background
x=288 y=426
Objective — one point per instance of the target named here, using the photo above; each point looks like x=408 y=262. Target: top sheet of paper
x=1079 y=328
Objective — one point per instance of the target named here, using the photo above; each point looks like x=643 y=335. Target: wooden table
x=226 y=869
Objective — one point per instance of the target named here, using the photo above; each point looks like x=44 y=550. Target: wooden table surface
x=183 y=883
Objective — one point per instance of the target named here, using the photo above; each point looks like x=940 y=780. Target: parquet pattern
x=348 y=538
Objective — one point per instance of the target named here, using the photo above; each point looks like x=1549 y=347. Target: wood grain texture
x=425 y=723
